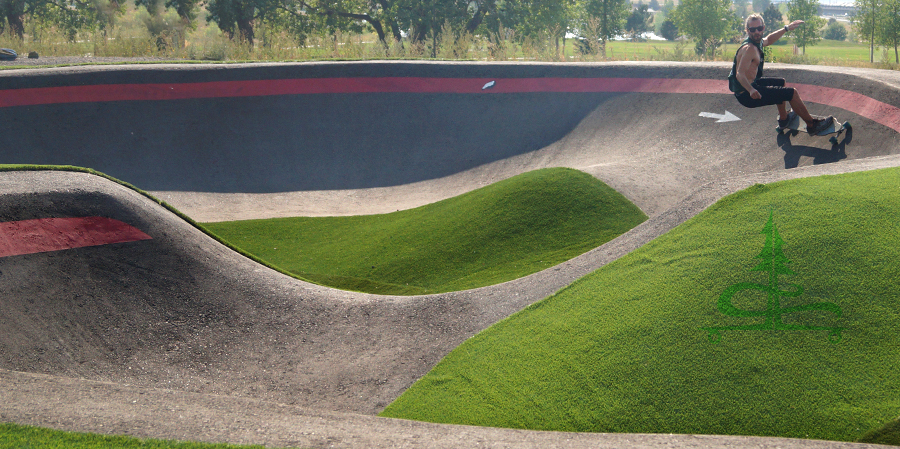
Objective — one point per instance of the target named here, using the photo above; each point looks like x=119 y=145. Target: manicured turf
x=27 y=437
x=498 y=233
x=623 y=349
x=887 y=434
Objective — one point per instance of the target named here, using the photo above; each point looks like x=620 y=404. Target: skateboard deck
x=797 y=126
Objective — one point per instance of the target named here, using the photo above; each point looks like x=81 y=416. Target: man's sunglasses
x=753 y=29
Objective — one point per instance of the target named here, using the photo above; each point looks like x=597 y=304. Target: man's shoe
x=819 y=124
x=784 y=123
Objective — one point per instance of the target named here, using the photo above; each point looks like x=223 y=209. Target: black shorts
x=772 y=91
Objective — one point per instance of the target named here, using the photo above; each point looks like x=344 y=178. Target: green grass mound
x=887 y=434
x=494 y=234
x=625 y=350
x=18 y=436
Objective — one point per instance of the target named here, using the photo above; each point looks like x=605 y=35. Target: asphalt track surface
x=162 y=332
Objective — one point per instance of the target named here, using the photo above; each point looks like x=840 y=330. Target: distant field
x=826 y=51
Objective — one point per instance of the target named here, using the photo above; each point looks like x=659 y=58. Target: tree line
x=877 y=22
x=710 y=23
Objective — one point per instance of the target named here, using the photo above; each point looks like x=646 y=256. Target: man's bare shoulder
x=743 y=51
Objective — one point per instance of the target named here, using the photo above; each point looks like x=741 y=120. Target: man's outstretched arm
x=775 y=35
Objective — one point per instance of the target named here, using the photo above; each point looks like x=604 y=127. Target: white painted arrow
x=727 y=117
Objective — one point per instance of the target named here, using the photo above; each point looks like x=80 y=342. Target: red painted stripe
x=55 y=234
x=224 y=89
x=860 y=104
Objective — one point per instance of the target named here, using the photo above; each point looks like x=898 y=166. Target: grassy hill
x=624 y=349
x=494 y=234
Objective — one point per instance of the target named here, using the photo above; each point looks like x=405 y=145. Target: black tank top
x=733 y=83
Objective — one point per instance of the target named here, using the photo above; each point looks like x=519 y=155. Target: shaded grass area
x=494 y=234
x=887 y=434
x=623 y=349
x=24 y=437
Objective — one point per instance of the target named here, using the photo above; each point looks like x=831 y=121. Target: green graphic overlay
x=774 y=263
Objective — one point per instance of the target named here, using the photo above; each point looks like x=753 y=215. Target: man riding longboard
x=753 y=91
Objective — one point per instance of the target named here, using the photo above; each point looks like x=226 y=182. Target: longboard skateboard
x=797 y=126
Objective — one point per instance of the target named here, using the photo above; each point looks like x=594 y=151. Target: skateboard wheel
x=833 y=140
x=847 y=125
x=780 y=130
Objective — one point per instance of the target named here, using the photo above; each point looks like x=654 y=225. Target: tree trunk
x=418 y=33
x=16 y=24
x=379 y=30
x=245 y=23
x=476 y=20
x=15 y=14
x=245 y=29
x=872 y=43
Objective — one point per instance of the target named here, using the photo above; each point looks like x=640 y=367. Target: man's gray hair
x=752 y=17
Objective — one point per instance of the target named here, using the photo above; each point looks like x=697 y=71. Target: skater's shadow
x=793 y=153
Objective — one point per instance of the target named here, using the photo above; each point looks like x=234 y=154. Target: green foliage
x=639 y=21
x=808 y=11
x=772 y=17
x=835 y=31
x=19 y=436
x=708 y=21
x=620 y=350
x=865 y=23
x=498 y=233
x=889 y=32
x=598 y=21
x=234 y=17
x=668 y=30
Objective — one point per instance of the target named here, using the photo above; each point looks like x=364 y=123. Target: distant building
x=831 y=7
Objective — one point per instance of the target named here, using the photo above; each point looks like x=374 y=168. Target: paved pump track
x=151 y=328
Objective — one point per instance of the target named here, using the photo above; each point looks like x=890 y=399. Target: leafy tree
x=160 y=27
x=300 y=17
x=834 y=31
x=866 y=23
x=772 y=17
x=707 y=21
x=531 y=19
x=807 y=11
x=668 y=30
x=426 y=18
x=889 y=31
x=13 y=13
x=70 y=16
x=639 y=20
x=234 y=17
x=600 y=20
x=537 y=17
